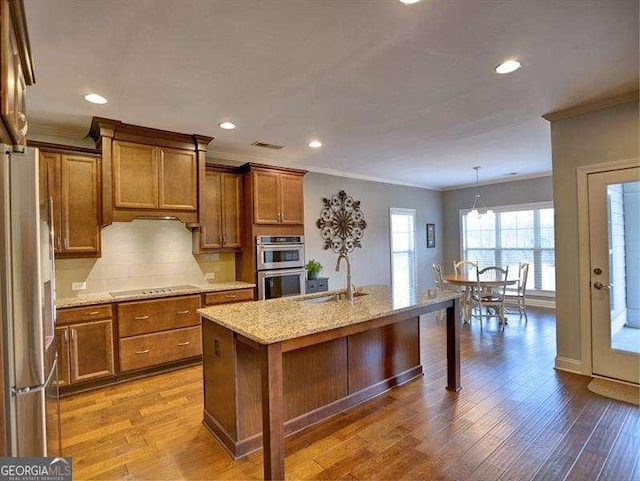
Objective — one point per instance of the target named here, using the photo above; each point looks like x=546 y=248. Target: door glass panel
x=624 y=265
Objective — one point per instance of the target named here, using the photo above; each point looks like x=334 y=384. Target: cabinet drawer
x=225 y=297
x=144 y=317
x=65 y=316
x=153 y=349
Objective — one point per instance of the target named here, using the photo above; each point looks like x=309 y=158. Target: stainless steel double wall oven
x=280 y=264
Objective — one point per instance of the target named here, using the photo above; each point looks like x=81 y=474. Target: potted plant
x=313 y=268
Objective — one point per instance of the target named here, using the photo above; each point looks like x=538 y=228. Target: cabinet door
x=62 y=346
x=80 y=204
x=292 y=202
x=53 y=184
x=135 y=176
x=231 y=210
x=91 y=350
x=266 y=198
x=211 y=211
x=178 y=179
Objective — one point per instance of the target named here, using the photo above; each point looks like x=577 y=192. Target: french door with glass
x=614 y=237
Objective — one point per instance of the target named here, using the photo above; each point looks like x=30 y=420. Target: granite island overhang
x=280 y=365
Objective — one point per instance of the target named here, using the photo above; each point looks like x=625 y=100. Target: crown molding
x=213 y=154
x=514 y=178
x=592 y=106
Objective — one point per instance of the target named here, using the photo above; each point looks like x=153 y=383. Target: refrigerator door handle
x=17 y=391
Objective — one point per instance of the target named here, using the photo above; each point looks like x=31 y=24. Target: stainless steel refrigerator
x=27 y=306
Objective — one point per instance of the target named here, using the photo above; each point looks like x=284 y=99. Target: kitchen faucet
x=350 y=287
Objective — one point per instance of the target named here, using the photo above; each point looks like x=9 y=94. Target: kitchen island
x=277 y=366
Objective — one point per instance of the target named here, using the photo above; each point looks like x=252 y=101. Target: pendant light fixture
x=479 y=208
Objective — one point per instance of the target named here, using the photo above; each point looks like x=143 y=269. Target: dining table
x=469 y=280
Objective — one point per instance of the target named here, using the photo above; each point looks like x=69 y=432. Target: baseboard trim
x=568 y=365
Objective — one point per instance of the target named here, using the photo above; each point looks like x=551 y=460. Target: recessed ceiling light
x=227 y=125
x=95 y=99
x=315 y=144
x=508 y=66
x=409 y=2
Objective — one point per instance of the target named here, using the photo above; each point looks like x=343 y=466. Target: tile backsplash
x=143 y=253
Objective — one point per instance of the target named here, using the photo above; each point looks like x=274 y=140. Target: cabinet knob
x=184 y=312
x=94 y=313
x=230 y=296
x=186 y=343
x=143 y=352
x=141 y=318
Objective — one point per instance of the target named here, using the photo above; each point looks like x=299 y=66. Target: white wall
x=605 y=135
x=371 y=264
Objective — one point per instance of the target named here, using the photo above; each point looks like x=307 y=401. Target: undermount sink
x=332 y=298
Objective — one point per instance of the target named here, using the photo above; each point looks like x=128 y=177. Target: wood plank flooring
x=515 y=419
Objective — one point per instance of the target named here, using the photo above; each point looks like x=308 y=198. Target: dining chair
x=468 y=267
x=519 y=298
x=491 y=298
x=439 y=282
x=460 y=267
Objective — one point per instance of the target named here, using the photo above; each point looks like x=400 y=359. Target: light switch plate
x=78 y=286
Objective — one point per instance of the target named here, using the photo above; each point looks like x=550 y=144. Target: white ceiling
x=401 y=93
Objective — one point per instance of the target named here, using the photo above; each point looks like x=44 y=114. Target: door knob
x=600 y=286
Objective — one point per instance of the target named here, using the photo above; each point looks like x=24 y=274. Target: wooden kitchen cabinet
x=85 y=349
x=158 y=331
x=74 y=185
x=220 y=212
x=16 y=72
x=227 y=297
x=149 y=172
x=277 y=197
x=152 y=177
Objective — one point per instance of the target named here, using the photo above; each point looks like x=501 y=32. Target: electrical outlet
x=78 y=286
x=209 y=276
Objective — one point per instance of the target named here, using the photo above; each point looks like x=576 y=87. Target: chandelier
x=479 y=208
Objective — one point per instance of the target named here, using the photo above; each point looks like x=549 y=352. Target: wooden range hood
x=149 y=173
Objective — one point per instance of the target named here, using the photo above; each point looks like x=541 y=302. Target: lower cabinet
x=150 y=335
x=139 y=352
x=85 y=352
x=158 y=331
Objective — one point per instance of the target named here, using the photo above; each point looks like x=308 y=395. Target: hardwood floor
x=515 y=419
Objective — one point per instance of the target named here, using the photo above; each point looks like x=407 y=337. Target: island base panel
x=318 y=381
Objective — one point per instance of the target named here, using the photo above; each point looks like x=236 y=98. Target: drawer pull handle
x=184 y=343
x=141 y=318
x=94 y=313
x=231 y=296
x=143 y=352
x=184 y=312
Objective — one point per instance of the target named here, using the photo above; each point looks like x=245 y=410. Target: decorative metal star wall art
x=341 y=223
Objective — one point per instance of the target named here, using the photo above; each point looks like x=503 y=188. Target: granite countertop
x=106 y=298
x=276 y=320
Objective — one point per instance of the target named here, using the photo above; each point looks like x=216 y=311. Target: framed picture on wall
x=431 y=235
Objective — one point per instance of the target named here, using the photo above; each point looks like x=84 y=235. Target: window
x=518 y=233
x=403 y=254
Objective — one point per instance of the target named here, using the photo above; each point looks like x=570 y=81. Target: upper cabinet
x=277 y=196
x=74 y=187
x=151 y=177
x=220 y=212
x=148 y=172
x=16 y=72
